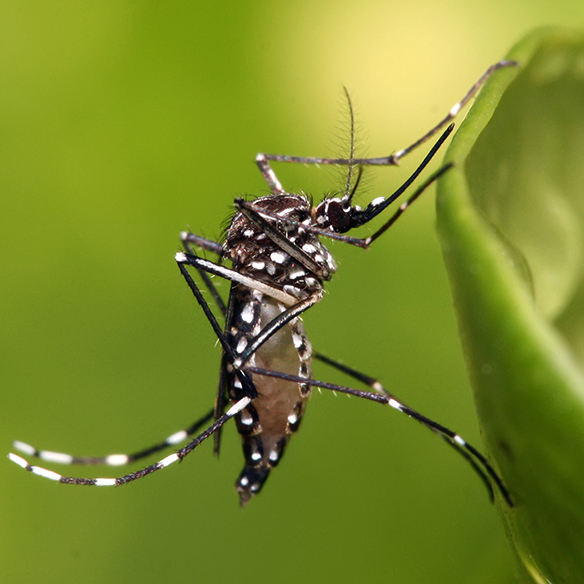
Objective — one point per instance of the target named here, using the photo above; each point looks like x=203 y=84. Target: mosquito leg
x=359 y=241
x=219 y=408
x=358 y=217
x=209 y=245
x=183 y=259
x=111 y=482
x=113 y=459
x=454 y=110
x=215 y=247
x=376 y=386
x=366 y=379
x=452 y=437
x=263 y=160
x=296 y=308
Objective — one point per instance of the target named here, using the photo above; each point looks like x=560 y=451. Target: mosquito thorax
x=253 y=252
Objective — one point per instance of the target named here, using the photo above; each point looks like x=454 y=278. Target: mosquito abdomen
x=268 y=422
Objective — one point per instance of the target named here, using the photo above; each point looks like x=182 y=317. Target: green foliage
x=510 y=218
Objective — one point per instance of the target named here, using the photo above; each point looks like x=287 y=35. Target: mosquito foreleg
x=192 y=260
x=262 y=160
x=454 y=110
x=182 y=259
x=392 y=159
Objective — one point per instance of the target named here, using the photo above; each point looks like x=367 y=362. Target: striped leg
x=468 y=451
x=112 y=482
x=263 y=160
x=209 y=245
x=376 y=386
x=113 y=459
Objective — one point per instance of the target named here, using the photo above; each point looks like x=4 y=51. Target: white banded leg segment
x=459 y=440
x=45 y=473
x=395 y=404
x=105 y=482
x=177 y=437
x=19 y=461
x=98 y=482
x=53 y=476
x=117 y=459
x=234 y=276
x=37 y=470
x=48 y=455
x=112 y=482
x=477 y=460
x=112 y=459
x=168 y=460
x=237 y=407
x=24 y=447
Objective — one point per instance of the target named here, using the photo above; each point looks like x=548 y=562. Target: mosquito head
x=334 y=214
x=337 y=213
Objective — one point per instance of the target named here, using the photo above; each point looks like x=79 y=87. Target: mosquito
x=278 y=269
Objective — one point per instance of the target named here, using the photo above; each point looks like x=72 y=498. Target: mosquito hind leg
x=366 y=379
x=113 y=459
x=112 y=482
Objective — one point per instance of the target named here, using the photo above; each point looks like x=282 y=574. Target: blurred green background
x=123 y=123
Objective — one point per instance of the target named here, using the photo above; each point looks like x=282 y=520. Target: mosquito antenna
x=349 y=192
x=357 y=181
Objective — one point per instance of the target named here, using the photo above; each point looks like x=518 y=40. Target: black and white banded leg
x=385 y=398
x=263 y=160
x=114 y=482
x=297 y=308
x=379 y=388
x=113 y=459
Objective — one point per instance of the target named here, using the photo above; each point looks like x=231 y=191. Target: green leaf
x=511 y=220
